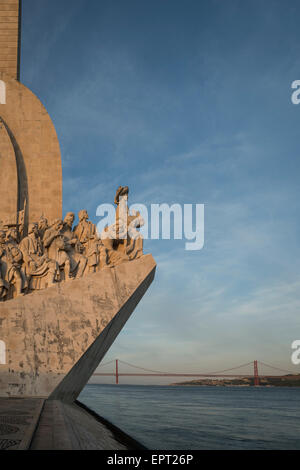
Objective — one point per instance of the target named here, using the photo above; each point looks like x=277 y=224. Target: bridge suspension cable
x=106 y=363
x=232 y=368
x=276 y=368
x=142 y=368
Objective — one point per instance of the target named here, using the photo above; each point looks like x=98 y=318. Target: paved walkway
x=68 y=427
x=18 y=420
x=38 y=424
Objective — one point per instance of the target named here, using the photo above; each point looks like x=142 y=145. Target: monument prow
x=56 y=338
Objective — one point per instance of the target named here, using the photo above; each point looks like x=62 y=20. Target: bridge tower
x=256 y=376
x=117 y=372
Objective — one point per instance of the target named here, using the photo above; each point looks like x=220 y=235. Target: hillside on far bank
x=289 y=380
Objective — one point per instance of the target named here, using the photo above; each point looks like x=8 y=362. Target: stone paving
x=18 y=420
x=67 y=427
x=36 y=424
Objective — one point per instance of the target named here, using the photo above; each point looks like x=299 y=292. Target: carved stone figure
x=72 y=245
x=42 y=227
x=3 y=285
x=115 y=234
x=54 y=253
x=121 y=239
x=122 y=192
x=97 y=255
x=122 y=213
x=11 y=263
x=135 y=242
x=40 y=271
x=85 y=231
x=57 y=248
x=103 y=256
x=86 y=234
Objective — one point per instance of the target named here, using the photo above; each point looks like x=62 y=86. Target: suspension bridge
x=229 y=373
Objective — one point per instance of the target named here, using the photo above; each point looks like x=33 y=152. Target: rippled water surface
x=191 y=418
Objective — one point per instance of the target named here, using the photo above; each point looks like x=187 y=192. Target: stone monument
x=65 y=291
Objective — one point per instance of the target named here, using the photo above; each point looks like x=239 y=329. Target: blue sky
x=185 y=102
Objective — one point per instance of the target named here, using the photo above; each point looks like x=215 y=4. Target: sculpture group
x=51 y=252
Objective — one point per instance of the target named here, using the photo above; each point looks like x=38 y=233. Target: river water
x=190 y=417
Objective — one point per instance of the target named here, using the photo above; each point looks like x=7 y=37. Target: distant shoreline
x=280 y=381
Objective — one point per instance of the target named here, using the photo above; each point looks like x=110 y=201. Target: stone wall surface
x=8 y=172
x=55 y=338
x=37 y=153
x=9 y=37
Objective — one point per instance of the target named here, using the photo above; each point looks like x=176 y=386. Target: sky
x=185 y=102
